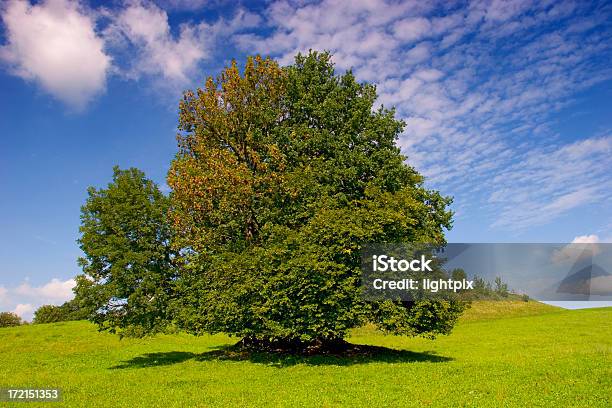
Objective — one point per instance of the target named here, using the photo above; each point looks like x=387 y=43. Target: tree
x=77 y=309
x=501 y=288
x=70 y=310
x=49 y=314
x=282 y=174
x=458 y=274
x=9 y=319
x=128 y=264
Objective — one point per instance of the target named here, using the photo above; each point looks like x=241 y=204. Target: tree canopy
x=70 y=310
x=128 y=264
x=282 y=175
x=9 y=319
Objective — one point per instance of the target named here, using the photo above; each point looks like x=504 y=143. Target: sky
x=506 y=103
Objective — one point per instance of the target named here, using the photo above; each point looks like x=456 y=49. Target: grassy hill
x=485 y=310
x=520 y=355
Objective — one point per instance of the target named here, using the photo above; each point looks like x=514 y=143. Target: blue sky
x=507 y=105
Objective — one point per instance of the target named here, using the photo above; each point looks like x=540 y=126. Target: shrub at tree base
x=281 y=175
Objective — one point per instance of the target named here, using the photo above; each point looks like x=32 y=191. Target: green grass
x=554 y=358
x=485 y=310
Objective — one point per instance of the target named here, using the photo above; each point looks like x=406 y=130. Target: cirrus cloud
x=478 y=85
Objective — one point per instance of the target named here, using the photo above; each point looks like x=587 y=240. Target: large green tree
x=282 y=175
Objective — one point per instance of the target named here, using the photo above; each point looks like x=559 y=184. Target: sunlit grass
x=548 y=357
x=484 y=310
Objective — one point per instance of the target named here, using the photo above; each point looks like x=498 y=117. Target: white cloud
x=412 y=29
x=160 y=52
x=188 y=5
x=54 y=44
x=53 y=291
x=547 y=182
x=418 y=53
x=170 y=58
x=25 y=311
x=586 y=239
x=579 y=248
x=25 y=298
x=429 y=75
x=502 y=10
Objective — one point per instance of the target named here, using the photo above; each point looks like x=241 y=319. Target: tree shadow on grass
x=356 y=354
x=156 y=359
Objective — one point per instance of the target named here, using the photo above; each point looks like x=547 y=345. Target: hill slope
x=555 y=359
x=485 y=310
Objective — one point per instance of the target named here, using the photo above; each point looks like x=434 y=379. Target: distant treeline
x=485 y=290
x=47 y=314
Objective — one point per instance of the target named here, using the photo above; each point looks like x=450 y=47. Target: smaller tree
x=501 y=288
x=128 y=264
x=49 y=314
x=70 y=310
x=458 y=274
x=9 y=319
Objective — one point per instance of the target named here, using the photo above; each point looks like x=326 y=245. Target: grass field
x=499 y=355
